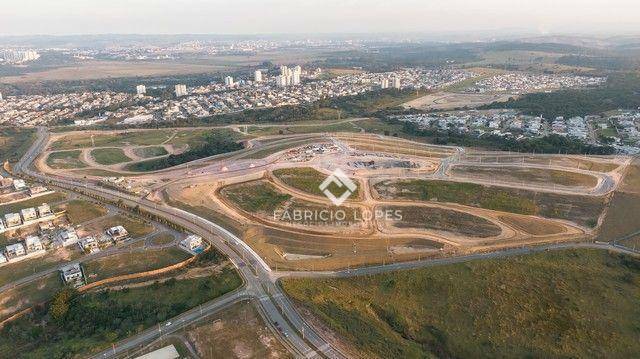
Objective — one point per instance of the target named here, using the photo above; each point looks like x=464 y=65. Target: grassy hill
x=572 y=303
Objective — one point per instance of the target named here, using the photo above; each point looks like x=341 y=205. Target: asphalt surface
x=259 y=283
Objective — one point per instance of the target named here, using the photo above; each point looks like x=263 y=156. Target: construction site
x=410 y=200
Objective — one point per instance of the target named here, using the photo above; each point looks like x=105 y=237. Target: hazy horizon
x=249 y=17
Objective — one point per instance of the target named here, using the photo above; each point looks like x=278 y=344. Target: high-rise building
x=396 y=83
x=181 y=90
x=0 y=96
x=289 y=76
x=141 y=89
x=384 y=84
x=228 y=81
x=257 y=76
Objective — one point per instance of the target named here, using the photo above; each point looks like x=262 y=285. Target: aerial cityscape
x=319 y=180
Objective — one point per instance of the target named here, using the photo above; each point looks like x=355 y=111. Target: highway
x=258 y=279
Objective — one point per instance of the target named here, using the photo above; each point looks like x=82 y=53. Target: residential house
x=89 y=244
x=19 y=185
x=29 y=214
x=67 y=237
x=44 y=210
x=12 y=220
x=192 y=243
x=33 y=244
x=72 y=274
x=15 y=250
x=117 y=233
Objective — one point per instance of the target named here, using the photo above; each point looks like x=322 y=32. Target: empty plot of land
x=80 y=211
x=545 y=305
x=569 y=162
x=533 y=226
x=151 y=151
x=109 y=156
x=136 y=262
x=106 y=139
x=298 y=251
x=404 y=150
x=444 y=220
x=452 y=100
x=308 y=180
x=256 y=196
x=583 y=210
x=179 y=138
x=526 y=175
x=65 y=160
x=136 y=227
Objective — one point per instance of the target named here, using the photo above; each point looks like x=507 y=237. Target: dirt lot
x=238 y=332
x=532 y=225
x=564 y=161
x=622 y=215
x=583 y=210
x=445 y=220
x=526 y=175
x=452 y=100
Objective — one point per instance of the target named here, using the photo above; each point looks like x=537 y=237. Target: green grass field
x=136 y=138
x=308 y=180
x=14 y=142
x=65 y=160
x=255 y=196
x=109 y=156
x=80 y=211
x=47 y=198
x=571 y=303
x=153 y=151
x=136 y=227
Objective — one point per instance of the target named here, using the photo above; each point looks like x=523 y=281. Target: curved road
x=259 y=282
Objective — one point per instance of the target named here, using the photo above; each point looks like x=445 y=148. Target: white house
x=44 y=210
x=12 y=220
x=192 y=243
x=15 y=250
x=89 y=244
x=67 y=237
x=19 y=185
x=29 y=214
x=72 y=274
x=33 y=244
x=117 y=233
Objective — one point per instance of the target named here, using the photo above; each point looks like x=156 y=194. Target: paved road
x=120 y=248
x=260 y=281
x=176 y=323
x=371 y=270
x=257 y=277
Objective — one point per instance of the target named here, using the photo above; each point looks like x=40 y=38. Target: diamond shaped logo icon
x=340 y=179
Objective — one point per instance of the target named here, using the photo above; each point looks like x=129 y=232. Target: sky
x=64 y=17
